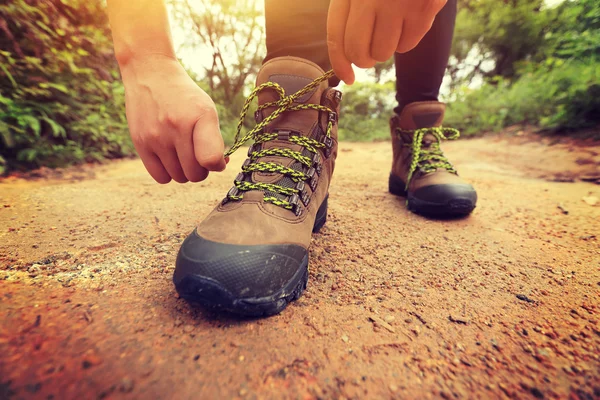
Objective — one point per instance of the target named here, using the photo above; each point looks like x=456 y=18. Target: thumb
x=208 y=142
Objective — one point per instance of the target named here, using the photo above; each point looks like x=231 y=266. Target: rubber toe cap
x=442 y=194
x=238 y=271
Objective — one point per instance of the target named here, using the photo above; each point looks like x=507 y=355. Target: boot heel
x=396 y=186
x=321 y=216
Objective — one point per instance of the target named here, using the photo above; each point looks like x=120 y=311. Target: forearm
x=140 y=30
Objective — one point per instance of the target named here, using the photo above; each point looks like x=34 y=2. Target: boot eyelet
x=332 y=117
x=313 y=179
x=253 y=149
x=338 y=95
x=233 y=192
x=295 y=202
x=283 y=134
x=303 y=193
x=316 y=160
x=328 y=142
x=286 y=133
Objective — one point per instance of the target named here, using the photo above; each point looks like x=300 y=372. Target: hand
x=364 y=32
x=173 y=123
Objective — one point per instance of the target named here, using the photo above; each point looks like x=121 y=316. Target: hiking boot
x=420 y=171
x=250 y=255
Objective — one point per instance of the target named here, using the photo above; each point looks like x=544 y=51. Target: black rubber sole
x=212 y=295
x=454 y=208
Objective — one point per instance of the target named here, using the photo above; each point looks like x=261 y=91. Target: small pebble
x=126 y=385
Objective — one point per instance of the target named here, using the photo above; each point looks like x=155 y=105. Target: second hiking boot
x=250 y=255
x=420 y=171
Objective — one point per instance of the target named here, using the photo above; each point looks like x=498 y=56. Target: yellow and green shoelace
x=431 y=158
x=257 y=134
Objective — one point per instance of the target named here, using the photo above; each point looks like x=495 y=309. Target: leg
x=298 y=28
x=429 y=182
x=419 y=73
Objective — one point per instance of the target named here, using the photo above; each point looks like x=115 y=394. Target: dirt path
x=503 y=304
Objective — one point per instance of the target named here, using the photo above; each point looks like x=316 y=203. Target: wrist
x=135 y=67
x=126 y=57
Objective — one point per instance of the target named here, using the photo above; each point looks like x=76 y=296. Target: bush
x=550 y=70
x=366 y=110
x=559 y=95
x=61 y=101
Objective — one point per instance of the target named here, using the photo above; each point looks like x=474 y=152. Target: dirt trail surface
x=503 y=304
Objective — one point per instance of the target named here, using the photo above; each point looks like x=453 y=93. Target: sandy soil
x=505 y=303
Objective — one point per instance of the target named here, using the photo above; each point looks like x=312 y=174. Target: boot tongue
x=427 y=114
x=292 y=74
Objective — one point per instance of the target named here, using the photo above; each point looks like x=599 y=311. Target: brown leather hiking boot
x=250 y=255
x=420 y=171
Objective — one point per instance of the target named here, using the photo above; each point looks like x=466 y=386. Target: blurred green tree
x=365 y=111
x=231 y=35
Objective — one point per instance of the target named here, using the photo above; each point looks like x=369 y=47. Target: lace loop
x=285 y=103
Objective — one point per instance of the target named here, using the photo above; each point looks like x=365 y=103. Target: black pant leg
x=419 y=73
x=298 y=28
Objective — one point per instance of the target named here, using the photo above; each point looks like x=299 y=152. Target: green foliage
x=546 y=65
x=496 y=38
x=366 y=109
x=576 y=32
x=61 y=101
x=500 y=32
x=563 y=95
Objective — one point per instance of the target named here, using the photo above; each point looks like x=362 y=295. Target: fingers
x=154 y=167
x=208 y=143
x=184 y=152
x=170 y=161
x=359 y=35
x=336 y=31
x=388 y=28
x=193 y=171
